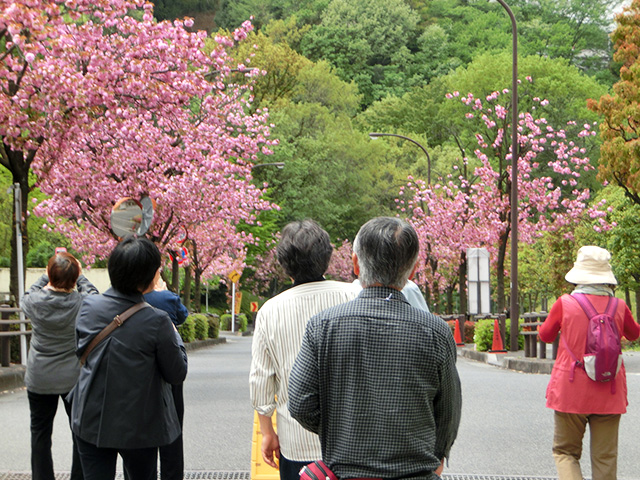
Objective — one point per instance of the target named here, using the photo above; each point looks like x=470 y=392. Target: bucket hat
x=591 y=267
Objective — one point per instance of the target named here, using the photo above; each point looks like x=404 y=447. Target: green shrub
x=483 y=337
x=214 y=325
x=241 y=319
x=242 y=322
x=187 y=330
x=469 y=330
x=201 y=326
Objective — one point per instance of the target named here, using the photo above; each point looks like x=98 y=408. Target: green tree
x=620 y=152
x=425 y=112
x=232 y=13
x=367 y=41
x=575 y=30
x=622 y=239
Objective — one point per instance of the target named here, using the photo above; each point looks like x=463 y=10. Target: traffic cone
x=497 y=346
x=457 y=336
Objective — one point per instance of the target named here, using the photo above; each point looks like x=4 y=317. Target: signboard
x=238 y=302
x=479 y=281
x=234 y=276
x=254 y=307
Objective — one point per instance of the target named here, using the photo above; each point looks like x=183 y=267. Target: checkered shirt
x=377 y=380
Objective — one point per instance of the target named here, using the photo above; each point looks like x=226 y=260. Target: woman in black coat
x=122 y=403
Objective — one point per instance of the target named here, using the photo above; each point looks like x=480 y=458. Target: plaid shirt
x=376 y=379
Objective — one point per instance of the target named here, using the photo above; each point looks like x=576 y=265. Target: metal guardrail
x=6 y=334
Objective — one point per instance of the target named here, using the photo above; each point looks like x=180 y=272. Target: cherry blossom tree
x=103 y=102
x=473 y=210
x=216 y=250
x=341 y=264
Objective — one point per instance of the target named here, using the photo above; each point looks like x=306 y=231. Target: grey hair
x=387 y=250
x=304 y=250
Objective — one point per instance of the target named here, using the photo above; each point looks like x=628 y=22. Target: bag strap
x=612 y=306
x=586 y=304
x=117 y=321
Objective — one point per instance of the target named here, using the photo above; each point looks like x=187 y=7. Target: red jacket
x=583 y=395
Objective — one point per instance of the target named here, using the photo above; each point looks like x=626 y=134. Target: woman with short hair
x=122 y=403
x=52 y=304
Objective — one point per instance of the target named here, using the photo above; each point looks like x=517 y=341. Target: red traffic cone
x=457 y=336
x=497 y=346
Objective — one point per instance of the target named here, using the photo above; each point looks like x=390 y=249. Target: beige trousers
x=567 y=445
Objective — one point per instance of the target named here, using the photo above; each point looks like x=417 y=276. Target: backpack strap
x=612 y=306
x=576 y=362
x=586 y=304
x=589 y=309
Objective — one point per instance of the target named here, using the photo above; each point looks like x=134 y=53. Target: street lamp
x=514 y=182
x=278 y=165
x=373 y=136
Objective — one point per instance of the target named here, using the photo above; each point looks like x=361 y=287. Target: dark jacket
x=170 y=303
x=123 y=398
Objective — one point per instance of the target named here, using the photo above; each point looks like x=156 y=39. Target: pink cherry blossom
x=118 y=107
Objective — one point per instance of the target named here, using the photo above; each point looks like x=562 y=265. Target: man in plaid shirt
x=375 y=378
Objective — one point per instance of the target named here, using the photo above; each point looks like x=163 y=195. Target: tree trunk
x=187 y=287
x=462 y=281
x=197 y=301
x=436 y=298
x=627 y=297
x=637 y=303
x=450 y=299
x=175 y=274
x=427 y=295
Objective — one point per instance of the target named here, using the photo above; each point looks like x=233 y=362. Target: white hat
x=591 y=267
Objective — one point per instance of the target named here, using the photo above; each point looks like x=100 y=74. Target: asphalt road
x=505 y=429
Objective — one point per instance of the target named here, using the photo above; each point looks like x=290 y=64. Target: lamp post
x=373 y=136
x=514 y=182
x=278 y=165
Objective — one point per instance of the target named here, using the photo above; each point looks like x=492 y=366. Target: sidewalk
x=12 y=377
x=517 y=361
x=509 y=360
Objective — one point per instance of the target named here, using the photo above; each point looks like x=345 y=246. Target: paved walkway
x=13 y=377
x=219 y=421
x=518 y=362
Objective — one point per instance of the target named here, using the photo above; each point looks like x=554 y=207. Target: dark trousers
x=43 y=410
x=290 y=469
x=100 y=463
x=172 y=455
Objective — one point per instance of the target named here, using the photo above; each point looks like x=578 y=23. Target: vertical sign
x=478 y=278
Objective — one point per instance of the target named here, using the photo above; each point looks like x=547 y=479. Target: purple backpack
x=603 y=353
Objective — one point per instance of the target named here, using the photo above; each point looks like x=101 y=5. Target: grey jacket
x=123 y=397
x=52 y=365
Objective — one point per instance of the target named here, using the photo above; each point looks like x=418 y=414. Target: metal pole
x=17 y=197
x=514 y=183
x=233 y=306
x=376 y=135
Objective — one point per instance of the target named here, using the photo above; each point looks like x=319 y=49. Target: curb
x=12 y=377
x=509 y=362
x=204 y=343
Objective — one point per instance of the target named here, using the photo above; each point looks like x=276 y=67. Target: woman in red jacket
x=576 y=398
